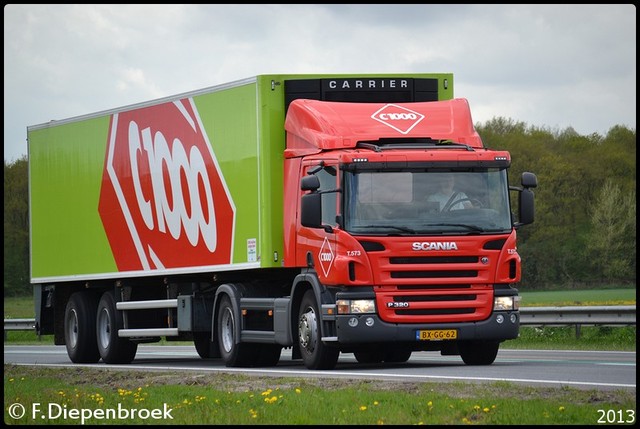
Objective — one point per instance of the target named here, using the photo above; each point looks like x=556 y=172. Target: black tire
x=233 y=355
x=113 y=349
x=478 y=352
x=80 y=328
x=204 y=346
x=369 y=356
x=397 y=356
x=269 y=354
x=315 y=354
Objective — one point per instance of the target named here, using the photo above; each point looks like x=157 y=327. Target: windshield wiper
x=462 y=225
x=399 y=228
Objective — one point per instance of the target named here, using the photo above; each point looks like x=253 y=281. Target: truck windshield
x=427 y=202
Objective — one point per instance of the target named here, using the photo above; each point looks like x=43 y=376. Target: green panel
x=272 y=145
x=65 y=173
x=229 y=118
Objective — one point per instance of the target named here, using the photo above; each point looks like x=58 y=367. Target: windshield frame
x=404 y=190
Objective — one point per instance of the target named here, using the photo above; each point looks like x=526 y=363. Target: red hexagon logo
x=164 y=202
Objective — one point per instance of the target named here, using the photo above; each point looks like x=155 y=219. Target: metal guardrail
x=579 y=315
x=529 y=316
x=616 y=315
x=19 y=324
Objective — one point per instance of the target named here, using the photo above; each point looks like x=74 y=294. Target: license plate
x=437 y=334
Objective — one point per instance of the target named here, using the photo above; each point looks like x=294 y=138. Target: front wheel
x=478 y=352
x=113 y=349
x=397 y=356
x=315 y=354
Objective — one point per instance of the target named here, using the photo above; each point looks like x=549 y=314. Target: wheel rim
x=307 y=330
x=72 y=328
x=226 y=326
x=104 y=328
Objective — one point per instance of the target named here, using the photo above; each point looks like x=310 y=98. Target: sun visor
x=314 y=125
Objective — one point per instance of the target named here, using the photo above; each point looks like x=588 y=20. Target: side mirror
x=311 y=209
x=529 y=180
x=526 y=206
x=310 y=183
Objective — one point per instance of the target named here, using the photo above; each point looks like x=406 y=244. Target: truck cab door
x=318 y=220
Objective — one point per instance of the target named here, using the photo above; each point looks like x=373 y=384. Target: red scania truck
x=279 y=211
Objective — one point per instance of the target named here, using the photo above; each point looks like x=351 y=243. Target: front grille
x=432 y=274
x=451 y=286
x=433 y=260
x=447 y=304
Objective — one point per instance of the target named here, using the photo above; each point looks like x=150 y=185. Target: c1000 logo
x=397 y=117
x=164 y=202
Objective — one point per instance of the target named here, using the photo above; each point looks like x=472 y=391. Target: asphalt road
x=600 y=370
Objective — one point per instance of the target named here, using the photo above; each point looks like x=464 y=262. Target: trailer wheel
x=232 y=354
x=478 y=352
x=113 y=349
x=315 y=354
x=80 y=328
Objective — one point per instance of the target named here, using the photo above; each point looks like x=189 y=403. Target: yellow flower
x=363 y=407
x=561 y=408
x=298 y=390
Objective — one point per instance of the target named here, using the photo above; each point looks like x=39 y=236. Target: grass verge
x=225 y=399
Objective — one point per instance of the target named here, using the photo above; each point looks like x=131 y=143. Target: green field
x=624 y=296
x=235 y=399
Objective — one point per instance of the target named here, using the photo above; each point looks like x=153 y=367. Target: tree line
x=584 y=232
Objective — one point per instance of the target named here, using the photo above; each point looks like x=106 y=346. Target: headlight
x=506 y=303
x=356 y=306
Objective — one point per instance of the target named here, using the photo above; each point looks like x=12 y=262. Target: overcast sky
x=553 y=66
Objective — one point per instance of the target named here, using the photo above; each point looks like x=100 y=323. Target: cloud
x=546 y=65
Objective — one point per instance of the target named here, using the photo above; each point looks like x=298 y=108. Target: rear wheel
x=113 y=349
x=268 y=354
x=232 y=354
x=315 y=354
x=204 y=346
x=478 y=352
x=80 y=328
